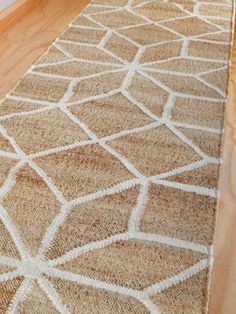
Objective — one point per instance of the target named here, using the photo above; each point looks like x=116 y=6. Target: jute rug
x=110 y=150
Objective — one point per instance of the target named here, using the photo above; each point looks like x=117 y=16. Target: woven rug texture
x=110 y=148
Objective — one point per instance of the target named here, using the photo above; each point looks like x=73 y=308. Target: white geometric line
x=152 y=307
x=156 y=23
x=188 y=58
x=134 y=221
x=225 y=67
x=52 y=76
x=105 y=6
x=57 y=193
x=42 y=65
x=10 y=275
x=76 y=59
x=14 y=144
x=189 y=167
x=180 y=277
x=144 y=67
x=105 y=39
x=95 y=97
x=132 y=69
x=155 y=81
x=79 y=79
x=103 y=12
x=9 y=261
x=185 y=140
x=105 y=139
x=59 y=149
x=210 y=99
x=146 y=127
x=161 y=239
x=200 y=17
x=75 y=253
x=10 y=155
x=110 y=150
x=141 y=106
x=114 y=56
x=19 y=296
x=11 y=228
x=167 y=111
x=128 y=165
x=69 y=93
x=196 y=127
x=82 y=280
x=26 y=113
x=93 y=282
x=127 y=184
x=29 y=100
x=76 y=43
x=10 y=180
x=51 y=231
x=65 y=210
x=50 y=291
x=187 y=187
x=218 y=90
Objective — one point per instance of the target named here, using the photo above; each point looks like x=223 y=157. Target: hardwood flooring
x=21 y=45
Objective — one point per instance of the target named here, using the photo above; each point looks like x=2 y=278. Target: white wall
x=5 y=3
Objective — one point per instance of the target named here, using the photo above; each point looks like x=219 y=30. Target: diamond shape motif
x=28 y=203
x=178 y=214
x=198 y=112
x=87 y=298
x=190 y=26
x=160 y=11
x=185 y=65
x=44 y=130
x=121 y=47
x=149 y=94
x=94 y=221
x=95 y=86
x=192 y=291
x=155 y=151
x=37 y=298
x=10 y=106
x=83 y=170
x=111 y=115
x=162 y=52
x=41 y=88
x=7 y=246
x=89 y=53
x=5 y=145
x=123 y=262
x=75 y=69
x=118 y=19
x=148 y=34
x=185 y=85
x=6 y=165
x=87 y=36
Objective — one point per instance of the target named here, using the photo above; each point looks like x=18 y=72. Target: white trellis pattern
x=166 y=62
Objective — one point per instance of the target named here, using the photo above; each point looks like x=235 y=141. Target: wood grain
x=15 y=12
x=223 y=288
x=23 y=42
x=26 y=40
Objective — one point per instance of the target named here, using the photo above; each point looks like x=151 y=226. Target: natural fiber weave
x=110 y=150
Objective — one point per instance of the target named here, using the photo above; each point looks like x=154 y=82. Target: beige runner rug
x=110 y=150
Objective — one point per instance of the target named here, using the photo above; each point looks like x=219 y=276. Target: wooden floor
x=20 y=46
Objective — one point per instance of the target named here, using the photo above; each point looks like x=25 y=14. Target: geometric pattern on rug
x=110 y=150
